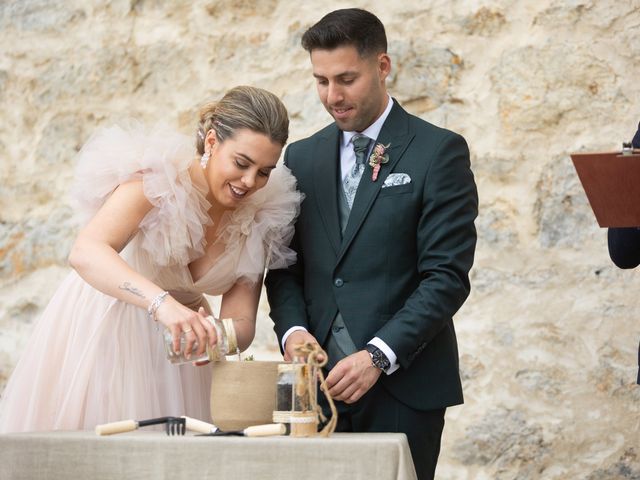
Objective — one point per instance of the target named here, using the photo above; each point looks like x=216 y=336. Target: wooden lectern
x=611 y=181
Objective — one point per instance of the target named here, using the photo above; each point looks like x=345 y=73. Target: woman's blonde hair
x=244 y=107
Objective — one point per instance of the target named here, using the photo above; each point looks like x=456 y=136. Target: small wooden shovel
x=268 y=430
x=209 y=429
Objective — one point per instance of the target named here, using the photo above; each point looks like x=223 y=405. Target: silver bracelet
x=155 y=304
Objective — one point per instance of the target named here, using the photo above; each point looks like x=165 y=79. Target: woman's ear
x=210 y=140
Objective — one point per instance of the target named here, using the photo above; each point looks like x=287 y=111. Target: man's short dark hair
x=348 y=26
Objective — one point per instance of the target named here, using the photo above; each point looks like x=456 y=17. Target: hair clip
x=220 y=124
x=200 y=134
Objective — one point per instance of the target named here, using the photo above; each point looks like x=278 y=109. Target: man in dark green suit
x=385 y=240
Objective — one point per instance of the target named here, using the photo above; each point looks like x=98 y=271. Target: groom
x=385 y=241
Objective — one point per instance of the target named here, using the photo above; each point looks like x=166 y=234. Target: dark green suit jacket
x=400 y=271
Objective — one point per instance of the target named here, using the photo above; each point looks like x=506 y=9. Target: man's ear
x=384 y=65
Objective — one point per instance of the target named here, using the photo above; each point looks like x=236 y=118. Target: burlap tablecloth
x=153 y=455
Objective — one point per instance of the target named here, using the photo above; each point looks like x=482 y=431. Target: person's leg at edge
x=378 y=411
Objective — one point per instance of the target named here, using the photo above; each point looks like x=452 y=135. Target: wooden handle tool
x=174 y=425
x=268 y=430
x=116 y=427
x=199 y=426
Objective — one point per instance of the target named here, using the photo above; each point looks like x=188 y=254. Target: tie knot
x=360 y=146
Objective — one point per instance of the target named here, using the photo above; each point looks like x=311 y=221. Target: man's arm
x=624 y=246
x=285 y=292
x=446 y=239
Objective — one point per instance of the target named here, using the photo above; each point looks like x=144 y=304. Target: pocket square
x=395 y=179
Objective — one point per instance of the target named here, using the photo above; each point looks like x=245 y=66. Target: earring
x=204 y=159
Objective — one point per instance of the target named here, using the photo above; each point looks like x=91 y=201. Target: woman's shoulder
x=128 y=148
x=264 y=225
x=160 y=158
x=133 y=146
x=128 y=151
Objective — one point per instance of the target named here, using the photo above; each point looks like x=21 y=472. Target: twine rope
x=312 y=351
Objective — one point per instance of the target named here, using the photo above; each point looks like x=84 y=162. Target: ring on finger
x=187 y=331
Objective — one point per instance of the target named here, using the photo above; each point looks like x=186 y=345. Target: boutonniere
x=378 y=157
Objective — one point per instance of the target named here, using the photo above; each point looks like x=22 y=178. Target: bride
x=164 y=225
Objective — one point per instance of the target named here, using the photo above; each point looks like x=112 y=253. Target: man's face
x=350 y=87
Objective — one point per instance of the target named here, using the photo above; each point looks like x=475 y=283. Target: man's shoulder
x=327 y=131
x=305 y=146
x=423 y=128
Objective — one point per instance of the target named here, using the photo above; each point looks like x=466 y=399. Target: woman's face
x=239 y=166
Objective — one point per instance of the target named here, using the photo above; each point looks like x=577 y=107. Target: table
x=153 y=455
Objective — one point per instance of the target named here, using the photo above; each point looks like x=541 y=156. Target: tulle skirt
x=93 y=359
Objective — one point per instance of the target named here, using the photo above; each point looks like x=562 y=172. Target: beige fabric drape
x=153 y=455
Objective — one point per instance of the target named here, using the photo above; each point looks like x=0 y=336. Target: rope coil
x=312 y=352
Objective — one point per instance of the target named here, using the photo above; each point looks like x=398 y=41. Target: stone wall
x=549 y=335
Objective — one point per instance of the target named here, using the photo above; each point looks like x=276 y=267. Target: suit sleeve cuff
x=393 y=359
x=289 y=332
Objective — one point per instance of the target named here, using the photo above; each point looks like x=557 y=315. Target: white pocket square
x=395 y=179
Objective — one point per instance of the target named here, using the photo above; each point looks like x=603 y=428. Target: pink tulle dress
x=93 y=359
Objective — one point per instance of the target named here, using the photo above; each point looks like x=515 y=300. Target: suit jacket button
x=338 y=282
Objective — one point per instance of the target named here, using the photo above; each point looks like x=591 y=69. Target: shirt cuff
x=289 y=332
x=393 y=359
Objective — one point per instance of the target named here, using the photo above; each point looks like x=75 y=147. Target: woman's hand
x=179 y=319
x=212 y=342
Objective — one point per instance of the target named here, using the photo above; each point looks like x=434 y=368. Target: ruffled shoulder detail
x=173 y=231
x=264 y=226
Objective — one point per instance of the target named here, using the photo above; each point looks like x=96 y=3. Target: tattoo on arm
x=130 y=288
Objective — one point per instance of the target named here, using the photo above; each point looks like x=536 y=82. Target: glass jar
x=285 y=387
x=226 y=344
x=292 y=391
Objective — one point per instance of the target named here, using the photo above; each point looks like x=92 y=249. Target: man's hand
x=296 y=338
x=352 y=377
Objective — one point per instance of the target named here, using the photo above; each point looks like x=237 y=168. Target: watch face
x=382 y=361
x=378 y=358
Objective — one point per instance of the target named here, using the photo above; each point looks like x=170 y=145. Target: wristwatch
x=378 y=358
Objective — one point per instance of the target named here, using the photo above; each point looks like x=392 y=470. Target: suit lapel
x=325 y=181
x=395 y=132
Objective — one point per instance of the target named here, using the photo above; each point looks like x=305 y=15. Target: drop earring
x=204 y=159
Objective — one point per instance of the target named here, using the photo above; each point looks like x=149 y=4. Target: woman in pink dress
x=164 y=223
